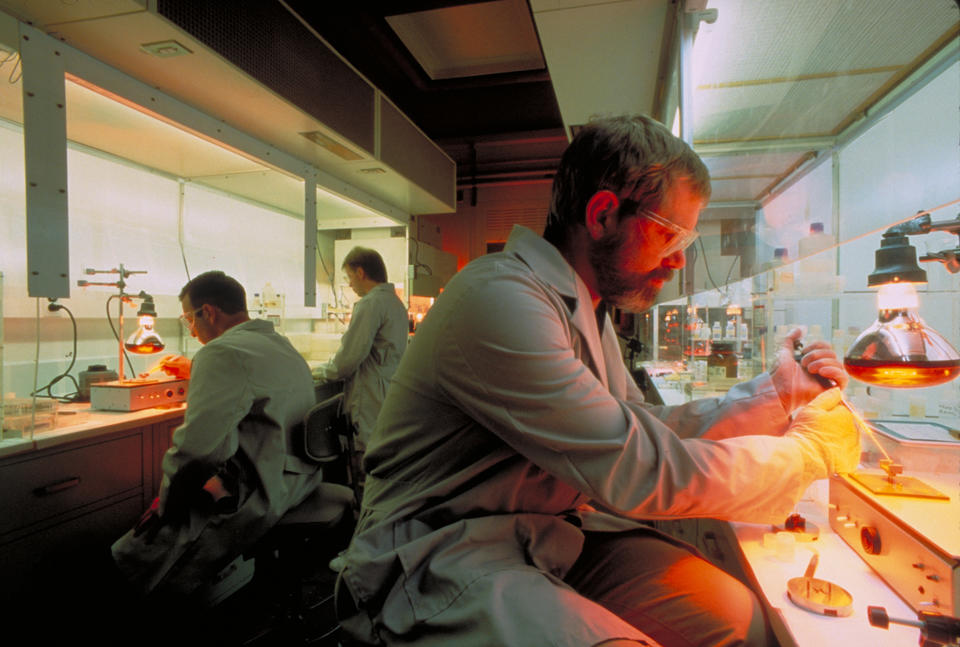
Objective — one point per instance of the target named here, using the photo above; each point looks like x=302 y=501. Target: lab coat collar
x=256 y=325
x=550 y=266
x=380 y=287
x=548 y=263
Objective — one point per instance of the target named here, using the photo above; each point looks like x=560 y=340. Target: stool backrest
x=322 y=427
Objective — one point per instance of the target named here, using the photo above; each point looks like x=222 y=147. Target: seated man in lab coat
x=230 y=473
x=514 y=456
x=371 y=348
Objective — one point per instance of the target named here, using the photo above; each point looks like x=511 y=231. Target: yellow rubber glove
x=795 y=382
x=177 y=366
x=827 y=435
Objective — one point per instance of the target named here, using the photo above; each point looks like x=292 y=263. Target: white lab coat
x=509 y=412
x=368 y=356
x=248 y=389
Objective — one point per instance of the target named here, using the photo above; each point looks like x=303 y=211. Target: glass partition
x=817 y=142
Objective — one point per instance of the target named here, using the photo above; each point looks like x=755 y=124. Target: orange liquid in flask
x=144 y=349
x=903 y=375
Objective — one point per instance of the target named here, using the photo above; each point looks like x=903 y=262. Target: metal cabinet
x=61 y=503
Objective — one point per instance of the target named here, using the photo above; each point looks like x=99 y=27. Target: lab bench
x=740 y=549
x=77 y=487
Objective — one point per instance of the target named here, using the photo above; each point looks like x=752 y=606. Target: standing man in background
x=371 y=348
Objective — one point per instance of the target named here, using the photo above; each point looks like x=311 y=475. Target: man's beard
x=630 y=291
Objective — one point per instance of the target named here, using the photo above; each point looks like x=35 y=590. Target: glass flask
x=899 y=350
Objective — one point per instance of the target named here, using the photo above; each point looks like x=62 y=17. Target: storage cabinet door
x=162 y=439
x=40 y=567
x=42 y=487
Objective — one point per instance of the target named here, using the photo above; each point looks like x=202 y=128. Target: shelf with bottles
x=268 y=304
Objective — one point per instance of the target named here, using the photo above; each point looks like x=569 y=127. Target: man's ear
x=601 y=209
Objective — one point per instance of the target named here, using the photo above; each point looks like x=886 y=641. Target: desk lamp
x=145 y=339
x=899 y=350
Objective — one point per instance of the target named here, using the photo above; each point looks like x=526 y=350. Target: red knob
x=870 y=540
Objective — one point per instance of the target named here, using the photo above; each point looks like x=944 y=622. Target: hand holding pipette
x=174 y=365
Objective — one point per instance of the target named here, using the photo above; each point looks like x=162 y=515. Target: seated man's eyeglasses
x=187 y=318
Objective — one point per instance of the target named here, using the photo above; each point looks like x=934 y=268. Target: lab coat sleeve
x=748 y=408
x=219 y=397
x=355 y=344
x=512 y=366
x=752 y=407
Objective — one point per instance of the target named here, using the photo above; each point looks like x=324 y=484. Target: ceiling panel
x=744 y=189
x=782 y=68
x=471 y=40
x=603 y=58
x=752 y=40
x=102 y=123
x=779 y=72
x=286 y=193
x=806 y=108
x=755 y=164
x=71 y=10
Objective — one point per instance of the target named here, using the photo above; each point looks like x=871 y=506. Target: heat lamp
x=145 y=339
x=899 y=350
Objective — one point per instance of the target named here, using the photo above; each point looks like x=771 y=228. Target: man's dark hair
x=635 y=157
x=369 y=260
x=217 y=289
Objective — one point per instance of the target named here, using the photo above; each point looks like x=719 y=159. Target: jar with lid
x=722 y=362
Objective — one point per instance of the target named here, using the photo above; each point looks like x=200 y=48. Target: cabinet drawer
x=33 y=565
x=44 y=486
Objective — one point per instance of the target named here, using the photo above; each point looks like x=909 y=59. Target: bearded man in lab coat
x=514 y=455
x=230 y=473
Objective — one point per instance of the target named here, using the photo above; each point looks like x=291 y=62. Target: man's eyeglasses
x=187 y=319
x=675 y=237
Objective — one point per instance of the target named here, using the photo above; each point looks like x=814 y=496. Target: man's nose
x=675 y=260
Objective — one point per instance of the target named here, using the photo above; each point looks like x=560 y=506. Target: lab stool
x=300 y=545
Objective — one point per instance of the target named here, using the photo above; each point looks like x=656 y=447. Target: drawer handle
x=59 y=486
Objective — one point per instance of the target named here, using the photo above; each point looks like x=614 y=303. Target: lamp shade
x=896 y=262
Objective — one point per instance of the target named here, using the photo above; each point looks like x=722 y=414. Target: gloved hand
x=175 y=365
x=827 y=435
x=795 y=383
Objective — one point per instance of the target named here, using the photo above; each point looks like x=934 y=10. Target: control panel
x=924 y=574
x=133 y=396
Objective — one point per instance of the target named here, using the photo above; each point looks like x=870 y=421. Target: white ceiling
x=787 y=69
x=776 y=82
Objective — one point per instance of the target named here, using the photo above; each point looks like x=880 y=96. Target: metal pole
x=120 y=335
